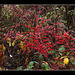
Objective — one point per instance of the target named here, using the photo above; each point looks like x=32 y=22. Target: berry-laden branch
x=72 y=51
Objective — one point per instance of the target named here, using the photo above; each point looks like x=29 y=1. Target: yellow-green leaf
x=13 y=43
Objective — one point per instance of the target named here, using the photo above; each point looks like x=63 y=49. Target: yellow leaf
x=16 y=37
x=45 y=62
x=0 y=68
x=61 y=58
x=9 y=44
x=4 y=47
x=13 y=43
x=8 y=39
x=21 y=44
x=66 y=61
x=47 y=69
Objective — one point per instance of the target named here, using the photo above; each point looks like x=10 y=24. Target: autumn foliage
x=37 y=43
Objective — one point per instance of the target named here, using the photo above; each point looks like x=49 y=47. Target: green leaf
x=68 y=53
x=2 y=22
x=45 y=66
x=31 y=63
x=19 y=68
x=61 y=49
x=30 y=67
x=73 y=63
x=36 y=62
x=48 y=13
x=72 y=69
x=17 y=51
x=2 y=8
x=6 y=23
x=52 y=12
x=10 y=11
x=41 y=57
x=74 y=13
x=51 y=52
x=39 y=22
x=8 y=64
x=5 y=56
x=45 y=17
x=63 y=64
x=15 y=32
x=60 y=54
x=53 y=61
x=27 y=69
x=37 y=53
x=57 y=8
x=29 y=24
